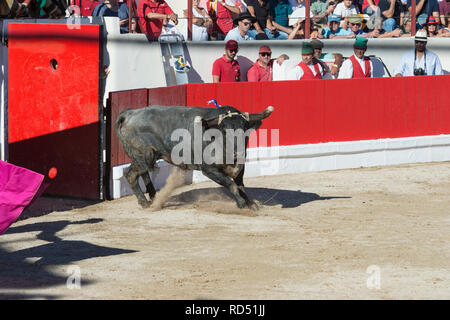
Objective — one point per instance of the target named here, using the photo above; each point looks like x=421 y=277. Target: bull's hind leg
x=240 y=183
x=132 y=174
x=224 y=180
x=149 y=185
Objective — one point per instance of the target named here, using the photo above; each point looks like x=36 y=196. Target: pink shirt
x=258 y=73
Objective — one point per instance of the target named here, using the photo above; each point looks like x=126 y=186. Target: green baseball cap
x=307 y=48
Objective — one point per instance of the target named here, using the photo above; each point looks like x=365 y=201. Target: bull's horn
x=262 y=115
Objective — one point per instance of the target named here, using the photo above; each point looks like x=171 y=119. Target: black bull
x=146 y=135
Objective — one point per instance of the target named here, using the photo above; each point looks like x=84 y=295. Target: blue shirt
x=234 y=34
x=101 y=10
x=326 y=32
x=431 y=60
x=280 y=12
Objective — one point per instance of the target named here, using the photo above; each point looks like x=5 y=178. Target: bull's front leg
x=240 y=183
x=221 y=178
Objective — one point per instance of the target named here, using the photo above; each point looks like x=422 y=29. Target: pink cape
x=18 y=188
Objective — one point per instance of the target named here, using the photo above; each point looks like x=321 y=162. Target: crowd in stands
x=243 y=20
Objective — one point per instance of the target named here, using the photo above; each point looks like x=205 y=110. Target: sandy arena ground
x=376 y=233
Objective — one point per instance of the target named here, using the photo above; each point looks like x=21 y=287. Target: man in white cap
x=420 y=61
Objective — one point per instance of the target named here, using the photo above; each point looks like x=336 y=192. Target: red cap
x=231 y=45
x=431 y=20
x=265 y=49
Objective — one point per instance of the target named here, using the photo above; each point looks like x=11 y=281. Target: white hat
x=421 y=35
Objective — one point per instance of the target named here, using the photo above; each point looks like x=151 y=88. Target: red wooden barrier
x=327 y=110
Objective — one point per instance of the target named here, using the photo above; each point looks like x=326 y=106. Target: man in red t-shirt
x=226 y=69
x=151 y=14
x=262 y=69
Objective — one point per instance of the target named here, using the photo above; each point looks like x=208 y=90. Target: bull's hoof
x=145 y=204
x=254 y=206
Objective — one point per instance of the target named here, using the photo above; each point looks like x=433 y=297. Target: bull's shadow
x=265 y=196
x=28 y=268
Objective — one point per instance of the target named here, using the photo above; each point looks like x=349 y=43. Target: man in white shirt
x=307 y=69
x=358 y=66
x=420 y=61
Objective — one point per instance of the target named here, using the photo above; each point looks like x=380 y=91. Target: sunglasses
x=264 y=54
x=247 y=24
x=233 y=50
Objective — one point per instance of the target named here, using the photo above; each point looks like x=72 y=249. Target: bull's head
x=235 y=127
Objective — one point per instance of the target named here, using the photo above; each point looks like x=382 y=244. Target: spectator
x=345 y=9
x=221 y=13
x=264 y=28
x=200 y=22
x=263 y=67
x=431 y=26
x=298 y=31
x=420 y=61
x=321 y=9
x=444 y=10
x=391 y=13
x=336 y=66
x=370 y=7
x=86 y=7
x=296 y=3
x=244 y=22
x=317 y=56
x=354 y=23
x=262 y=70
x=151 y=14
x=334 y=31
x=226 y=68
x=299 y=12
x=111 y=8
x=358 y=66
x=424 y=9
x=307 y=69
x=169 y=29
x=406 y=26
x=281 y=9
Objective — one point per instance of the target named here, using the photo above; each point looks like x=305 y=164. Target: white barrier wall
x=136 y=63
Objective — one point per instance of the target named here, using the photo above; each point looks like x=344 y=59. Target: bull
x=147 y=135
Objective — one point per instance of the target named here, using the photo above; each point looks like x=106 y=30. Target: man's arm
x=389 y=12
x=251 y=10
x=418 y=7
x=229 y=7
x=216 y=79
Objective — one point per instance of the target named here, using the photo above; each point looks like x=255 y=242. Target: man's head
x=355 y=22
x=360 y=47
x=317 y=46
x=333 y=22
x=307 y=52
x=244 y=21
x=110 y=3
x=348 y=3
x=231 y=49
x=420 y=40
x=265 y=54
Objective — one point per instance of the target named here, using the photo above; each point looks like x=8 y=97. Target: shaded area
x=27 y=268
x=48 y=204
x=265 y=196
